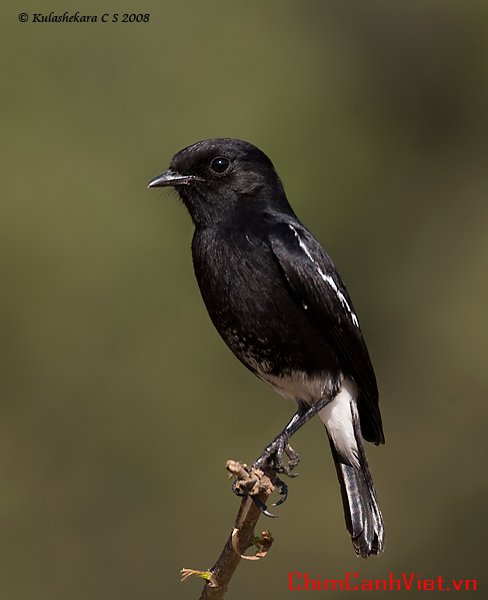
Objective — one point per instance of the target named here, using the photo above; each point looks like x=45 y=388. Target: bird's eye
x=220 y=165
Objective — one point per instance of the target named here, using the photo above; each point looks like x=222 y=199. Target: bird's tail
x=363 y=517
x=361 y=511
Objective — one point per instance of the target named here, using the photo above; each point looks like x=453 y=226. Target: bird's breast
x=252 y=307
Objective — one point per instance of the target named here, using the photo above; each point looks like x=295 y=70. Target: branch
x=251 y=482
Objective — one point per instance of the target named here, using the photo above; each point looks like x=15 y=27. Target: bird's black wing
x=319 y=290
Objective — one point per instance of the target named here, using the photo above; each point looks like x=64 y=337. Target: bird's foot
x=269 y=463
x=272 y=457
x=271 y=460
x=251 y=481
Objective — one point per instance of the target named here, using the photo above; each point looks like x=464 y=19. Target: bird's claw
x=283 y=491
x=272 y=460
x=263 y=508
x=281 y=486
x=236 y=488
x=245 y=488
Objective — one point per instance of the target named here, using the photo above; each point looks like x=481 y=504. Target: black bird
x=278 y=302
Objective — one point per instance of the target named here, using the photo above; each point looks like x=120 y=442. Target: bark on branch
x=252 y=482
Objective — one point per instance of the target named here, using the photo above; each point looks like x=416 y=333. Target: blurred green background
x=120 y=404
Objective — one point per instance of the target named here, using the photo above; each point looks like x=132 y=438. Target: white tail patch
x=337 y=417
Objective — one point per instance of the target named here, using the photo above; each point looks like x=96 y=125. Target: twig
x=252 y=482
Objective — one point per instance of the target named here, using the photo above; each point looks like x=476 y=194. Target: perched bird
x=276 y=299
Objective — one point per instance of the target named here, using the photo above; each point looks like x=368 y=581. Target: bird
x=278 y=302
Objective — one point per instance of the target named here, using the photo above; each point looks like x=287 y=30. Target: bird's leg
x=271 y=460
x=300 y=418
x=272 y=457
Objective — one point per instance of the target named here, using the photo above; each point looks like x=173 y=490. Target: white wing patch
x=340 y=295
x=327 y=278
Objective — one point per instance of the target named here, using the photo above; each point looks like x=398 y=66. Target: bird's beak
x=171 y=178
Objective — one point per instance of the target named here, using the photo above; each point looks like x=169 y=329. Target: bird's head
x=220 y=178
